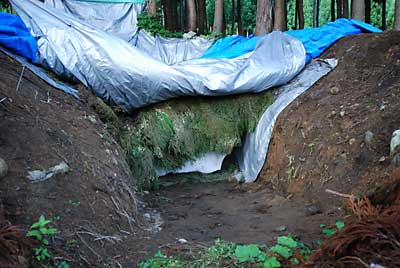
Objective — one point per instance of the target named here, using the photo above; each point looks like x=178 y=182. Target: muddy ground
x=322 y=133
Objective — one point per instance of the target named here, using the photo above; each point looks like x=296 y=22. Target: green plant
x=151 y=23
x=331 y=231
x=41 y=232
x=161 y=261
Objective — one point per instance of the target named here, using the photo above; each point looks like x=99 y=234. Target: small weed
x=74 y=203
x=41 y=231
x=331 y=231
x=290 y=167
x=311 y=146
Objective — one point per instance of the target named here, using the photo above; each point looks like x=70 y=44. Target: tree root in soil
x=372 y=236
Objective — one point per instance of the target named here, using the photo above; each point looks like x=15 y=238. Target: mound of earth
x=337 y=134
x=40 y=127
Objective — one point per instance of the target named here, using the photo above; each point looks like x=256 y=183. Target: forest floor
x=318 y=144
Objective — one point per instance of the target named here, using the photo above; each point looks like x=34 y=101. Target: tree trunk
x=396 y=25
x=219 y=16
x=202 y=16
x=174 y=7
x=191 y=15
x=339 y=9
x=280 y=15
x=358 y=10
x=316 y=13
x=169 y=19
x=300 y=13
x=233 y=17
x=383 y=15
x=239 y=17
x=367 y=11
x=183 y=11
x=152 y=7
x=333 y=17
x=345 y=4
x=264 y=17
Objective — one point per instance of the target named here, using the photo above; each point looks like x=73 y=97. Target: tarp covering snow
x=119 y=72
x=15 y=36
x=315 y=40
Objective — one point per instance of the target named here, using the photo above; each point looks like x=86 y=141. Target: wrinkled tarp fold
x=16 y=36
x=315 y=40
x=119 y=72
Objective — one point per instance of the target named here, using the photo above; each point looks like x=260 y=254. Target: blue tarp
x=15 y=36
x=315 y=40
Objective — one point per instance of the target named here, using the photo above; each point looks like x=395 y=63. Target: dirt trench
x=318 y=143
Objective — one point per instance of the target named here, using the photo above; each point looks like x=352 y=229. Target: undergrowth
x=151 y=23
x=286 y=251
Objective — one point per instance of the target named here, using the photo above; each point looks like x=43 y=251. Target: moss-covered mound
x=168 y=134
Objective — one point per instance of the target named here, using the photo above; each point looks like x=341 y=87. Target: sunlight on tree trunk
x=219 y=16
x=280 y=15
x=358 y=10
x=152 y=7
x=191 y=19
x=396 y=25
x=264 y=17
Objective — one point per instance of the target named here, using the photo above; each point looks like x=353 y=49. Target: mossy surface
x=167 y=135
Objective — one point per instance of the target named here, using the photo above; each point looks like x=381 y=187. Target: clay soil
x=322 y=132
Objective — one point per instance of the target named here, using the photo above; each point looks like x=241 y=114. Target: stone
x=352 y=141
x=334 y=90
x=281 y=228
x=368 y=137
x=3 y=168
x=342 y=113
x=312 y=210
x=395 y=143
x=43 y=175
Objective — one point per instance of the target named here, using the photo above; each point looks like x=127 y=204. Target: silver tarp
x=119 y=72
x=119 y=19
x=252 y=154
x=170 y=50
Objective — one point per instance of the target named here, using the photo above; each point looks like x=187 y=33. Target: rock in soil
x=3 y=168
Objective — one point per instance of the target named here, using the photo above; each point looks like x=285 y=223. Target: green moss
x=167 y=135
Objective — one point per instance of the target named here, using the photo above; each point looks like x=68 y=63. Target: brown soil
x=41 y=127
x=327 y=148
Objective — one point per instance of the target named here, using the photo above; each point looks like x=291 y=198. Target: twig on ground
x=87 y=245
x=20 y=78
x=350 y=196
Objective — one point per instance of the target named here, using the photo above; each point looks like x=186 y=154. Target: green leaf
x=45 y=242
x=35 y=233
x=281 y=250
x=247 y=252
x=328 y=232
x=271 y=262
x=340 y=225
x=295 y=261
x=322 y=225
x=287 y=241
